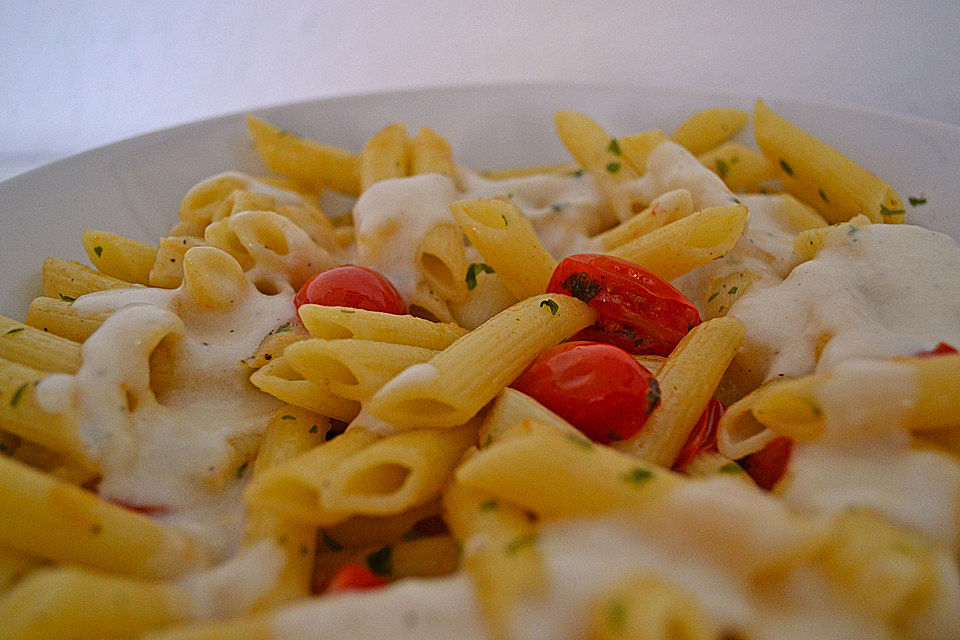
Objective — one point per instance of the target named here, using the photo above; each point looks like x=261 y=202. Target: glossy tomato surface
x=351 y=286
x=636 y=310
x=703 y=437
x=598 y=388
x=769 y=465
x=354 y=576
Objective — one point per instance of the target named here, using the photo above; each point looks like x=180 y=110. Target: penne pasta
x=430 y=153
x=456 y=383
x=59 y=317
x=741 y=168
x=334 y=323
x=386 y=155
x=122 y=258
x=66 y=280
x=706 y=129
x=37 y=349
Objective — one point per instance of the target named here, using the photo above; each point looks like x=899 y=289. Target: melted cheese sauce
x=880 y=291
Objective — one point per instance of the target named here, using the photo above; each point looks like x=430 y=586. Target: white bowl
x=134 y=187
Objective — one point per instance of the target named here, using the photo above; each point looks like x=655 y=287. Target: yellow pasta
x=35 y=348
x=386 y=155
x=454 y=385
x=508 y=244
x=333 y=323
x=687 y=382
x=398 y=472
x=509 y=409
x=706 y=129
x=821 y=176
x=285 y=383
x=60 y=318
x=67 y=280
x=681 y=246
x=314 y=165
x=740 y=167
x=430 y=153
x=592 y=147
x=558 y=169
x=123 y=258
x=167 y=270
x=665 y=209
x=441 y=261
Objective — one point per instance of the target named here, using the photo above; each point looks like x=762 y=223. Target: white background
x=78 y=75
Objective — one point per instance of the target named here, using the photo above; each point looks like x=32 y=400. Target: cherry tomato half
x=637 y=311
x=768 y=465
x=354 y=576
x=598 y=388
x=351 y=286
x=703 y=437
x=942 y=349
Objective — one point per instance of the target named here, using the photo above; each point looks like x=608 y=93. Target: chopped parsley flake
x=556 y=207
x=488 y=441
x=823 y=196
x=472 y=271
x=381 y=561
x=732 y=290
x=489 y=505
x=578 y=173
x=242 y=468
x=722 y=169
x=98 y=251
x=15 y=398
x=284 y=327
x=348 y=310
x=550 y=304
x=885 y=212
x=330 y=543
x=14 y=330
x=614 y=147
x=583 y=443
x=710 y=299
x=917 y=201
x=730 y=467
x=287 y=417
x=616 y=615
x=314 y=429
x=653 y=394
x=67 y=298
x=504 y=218
x=613 y=167
x=521 y=542
x=638 y=476
x=581 y=286
x=786 y=167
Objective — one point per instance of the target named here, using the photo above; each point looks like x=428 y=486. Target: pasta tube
x=334 y=323
x=37 y=349
x=123 y=258
x=706 y=129
x=681 y=246
x=687 y=380
x=509 y=245
x=821 y=176
x=385 y=156
x=453 y=386
x=67 y=280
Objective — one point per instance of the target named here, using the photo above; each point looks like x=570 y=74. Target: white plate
x=134 y=187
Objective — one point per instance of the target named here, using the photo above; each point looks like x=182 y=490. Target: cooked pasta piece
x=708 y=128
x=430 y=153
x=35 y=348
x=453 y=386
x=386 y=155
x=314 y=165
x=286 y=384
x=123 y=258
x=333 y=323
x=60 y=318
x=664 y=209
x=681 y=246
x=509 y=409
x=167 y=269
x=442 y=263
x=509 y=245
x=821 y=176
x=67 y=280
x=687 y=380
x=741 y=168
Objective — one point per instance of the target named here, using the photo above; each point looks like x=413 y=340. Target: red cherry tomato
x=637 y=311
x=351 y=286
x=598 y=388
x=942 y=349
x=703 y=437
x=354 y=577
x=768 y=465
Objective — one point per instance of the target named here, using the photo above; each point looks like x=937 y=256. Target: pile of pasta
x=396 y=440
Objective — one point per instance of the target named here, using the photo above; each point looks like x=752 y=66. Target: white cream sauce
x=879 y=291
x=392 y=217
x=670 y=166
x=161 y=452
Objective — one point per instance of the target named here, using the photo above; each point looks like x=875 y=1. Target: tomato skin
x=703 y=437
x=351 y=286
x=637 y=311
x=942 y=349
x=354 y=576
x=768 y=465
x=598 y=388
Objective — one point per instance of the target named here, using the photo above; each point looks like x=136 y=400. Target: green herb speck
x=15 y=398
x=614 y=147
x=638 y=476
x=14 y=330
x=287 y=417
x=348 y=310
x=550 y=304
x=917 y=201
x=582 y=443
x=241 y=469
x=284 y=327
x=521 y=542
x=722 y=169
x=786 y=167
x=314 y=429
x=732 y=290
x=381 y=561
x=823 y=196
x=504 y=218
x=885 y=212
x=710 y=299
x=98 y=251
x=67 y=298
x=488 y=505
x=473 y=270
x=613 y=167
